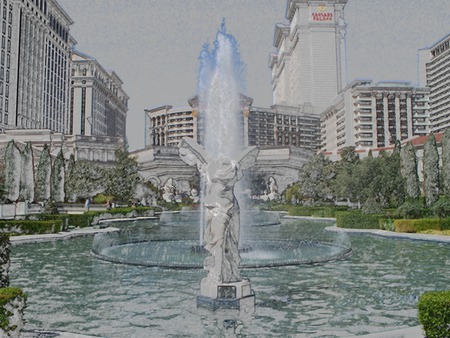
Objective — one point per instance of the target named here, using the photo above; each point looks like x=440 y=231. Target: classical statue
x=222 y=210
x=169 y=190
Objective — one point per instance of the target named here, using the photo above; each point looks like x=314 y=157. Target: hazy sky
x=153 y=45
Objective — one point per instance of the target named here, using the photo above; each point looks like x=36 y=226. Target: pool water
x=375 y=289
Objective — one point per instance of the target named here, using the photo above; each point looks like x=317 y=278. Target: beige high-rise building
x=35 y=62
x=99 y=105
x=374 y=116
x=438 y=80
x=308 y=69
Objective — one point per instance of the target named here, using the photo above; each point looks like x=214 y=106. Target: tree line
x=58 y=179
x=373 y=183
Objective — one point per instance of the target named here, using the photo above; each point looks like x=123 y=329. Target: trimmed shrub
x=434 y=313
x=315 y=211
x=417 y=225
x=102 y=198
x=11 y=298
x=29 y=227
x=357 y=220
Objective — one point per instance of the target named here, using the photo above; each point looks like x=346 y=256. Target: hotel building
x=438 y=80
x=98 y=104
x=264 y=127
x=35 y=61
x=369 y=116
x=308 y=69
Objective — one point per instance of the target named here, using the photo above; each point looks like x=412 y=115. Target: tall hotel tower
x=308 y=70
x=34 y=65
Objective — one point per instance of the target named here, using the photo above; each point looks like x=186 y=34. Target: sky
x=154 y=45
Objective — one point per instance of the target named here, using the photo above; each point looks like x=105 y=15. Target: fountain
x=221 y=164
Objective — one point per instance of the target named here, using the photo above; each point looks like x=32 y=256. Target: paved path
x=89 y=231
x=391 y=234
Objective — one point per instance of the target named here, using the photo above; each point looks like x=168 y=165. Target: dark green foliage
x=357 y=220
x=372 y=206
x=7 y=296
x=12 y=171
x=29 y=227
x=431 y=171
x=42 y=188
x=445 y=171
x=411 y=209
x=5 y=252
x=347 y=185
x=408 y=161
x=57 y=178
x=441 y=209
x=293 y=193
x=70 y=183
x=434 y=313
x=316 y=179
x=329 y=212
x=422 y=224
x=391 y=184
x=86 y=179
x=121 y=179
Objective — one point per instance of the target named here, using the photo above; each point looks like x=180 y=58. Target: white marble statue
x=169 y=190
x=222 y=210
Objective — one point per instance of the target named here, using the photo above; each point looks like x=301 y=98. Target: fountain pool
x=376 y=289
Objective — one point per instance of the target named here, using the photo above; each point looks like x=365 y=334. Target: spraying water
x=220 y=83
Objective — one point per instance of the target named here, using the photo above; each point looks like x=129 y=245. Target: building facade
x=370 y=116
x=264 y=127
x=308 y=69
x=35 y=62
x=98 y=104
x=438 y=80
x=165 y=126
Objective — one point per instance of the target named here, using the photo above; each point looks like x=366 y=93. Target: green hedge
x=357 y=220
x=315 y=211
x=76 y=220
x=417 y=225
x=29 y=227
x=7 y=295
x=434 y=313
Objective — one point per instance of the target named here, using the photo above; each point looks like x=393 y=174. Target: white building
x=165 y=125
x=35 y=61
x=373 y=116
x=308 y=69
x=98 y=105
x=438 y=80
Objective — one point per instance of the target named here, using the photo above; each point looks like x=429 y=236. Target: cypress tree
x=445 y=171
x=12 y=167
x=409 y=171
x=58 y=178
x=27 y=174
x=431 y=171
x=44 y=168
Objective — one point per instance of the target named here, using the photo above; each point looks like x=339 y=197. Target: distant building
x=165 y=126
x=265 y=127
x=372 y=116
x=438 y=80
x=98 y=104
x=35 y=61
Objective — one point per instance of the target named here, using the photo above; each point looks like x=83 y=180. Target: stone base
x=215 y=296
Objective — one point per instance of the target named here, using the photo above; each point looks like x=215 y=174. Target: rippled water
x=376 y=289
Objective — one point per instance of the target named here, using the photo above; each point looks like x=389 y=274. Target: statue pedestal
x=236 y=295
